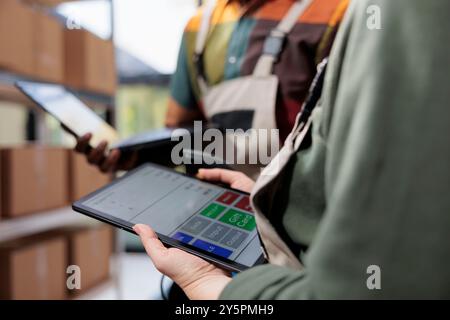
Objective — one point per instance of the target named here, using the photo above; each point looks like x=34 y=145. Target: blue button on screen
x=180 y=236
x=212 y=248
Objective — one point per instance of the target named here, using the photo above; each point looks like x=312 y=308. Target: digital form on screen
x=202 y=215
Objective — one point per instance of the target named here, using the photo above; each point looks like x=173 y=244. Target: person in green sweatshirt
x=365 y=183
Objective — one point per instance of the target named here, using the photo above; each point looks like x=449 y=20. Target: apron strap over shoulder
x=200 y=43
x=314 y=95
x=273 y=46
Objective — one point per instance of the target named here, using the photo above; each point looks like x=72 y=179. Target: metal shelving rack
x=9 y=93
x=40 y=222
x=44 y=221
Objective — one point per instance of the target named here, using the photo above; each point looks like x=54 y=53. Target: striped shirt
x=235 y=44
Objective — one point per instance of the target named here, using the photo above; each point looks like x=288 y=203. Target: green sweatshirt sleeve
x=268 y=282
x=387 y=175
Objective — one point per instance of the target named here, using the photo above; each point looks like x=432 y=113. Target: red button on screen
x=228 y=197
x=244 y=204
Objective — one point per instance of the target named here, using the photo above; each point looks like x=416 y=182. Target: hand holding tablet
x=212 y=222
x=199 y=279
x=209 y=221
x=79 y=120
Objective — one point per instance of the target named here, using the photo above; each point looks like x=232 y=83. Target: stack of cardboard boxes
x=83 y=177
x=44 y=266
x=34 y=179
x=16 y=37
x=48 y=3
x=33 y=268
x=34 y=44
x=88 y=62
x=90 y=250
x=49 y=56
x=37 y=178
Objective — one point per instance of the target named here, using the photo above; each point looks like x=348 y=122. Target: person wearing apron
x=249 y=101
x=253 y=100
x=242 y=64
x=366 y=168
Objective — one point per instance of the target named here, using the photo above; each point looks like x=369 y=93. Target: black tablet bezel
x=124 y=148
x=143 y=145
x=41 y=106
x=127 y=226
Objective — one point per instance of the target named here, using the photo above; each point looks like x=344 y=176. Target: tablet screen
x=69 y=110
x=205 y=216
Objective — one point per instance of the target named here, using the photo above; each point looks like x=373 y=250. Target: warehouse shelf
x=104 y=291
x=135 y=278
x=14 y=228
x=40 y=222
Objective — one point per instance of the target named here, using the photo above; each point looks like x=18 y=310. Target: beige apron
x=256 y=93
x=276 y=250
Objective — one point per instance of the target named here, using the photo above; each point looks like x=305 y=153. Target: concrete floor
x=137 y=279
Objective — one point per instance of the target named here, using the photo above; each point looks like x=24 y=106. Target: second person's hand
x=235 y=179
x=107 y=162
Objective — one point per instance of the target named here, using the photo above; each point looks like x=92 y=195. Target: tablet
x=79 y=119
x=210 y=221
x=70 y=111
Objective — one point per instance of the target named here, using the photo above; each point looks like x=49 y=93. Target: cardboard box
x=35 y=179
x=48 y=42
x=16 y=37
x=91 y=250
x=89 y=62
x=101 y=65
x=84 y=178
x=47 y=3
x=33 y=268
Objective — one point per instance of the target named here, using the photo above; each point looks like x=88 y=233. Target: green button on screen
x=239 y=219
x=213 y=210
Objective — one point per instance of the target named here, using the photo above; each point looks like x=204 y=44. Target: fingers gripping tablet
x=212 y=222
